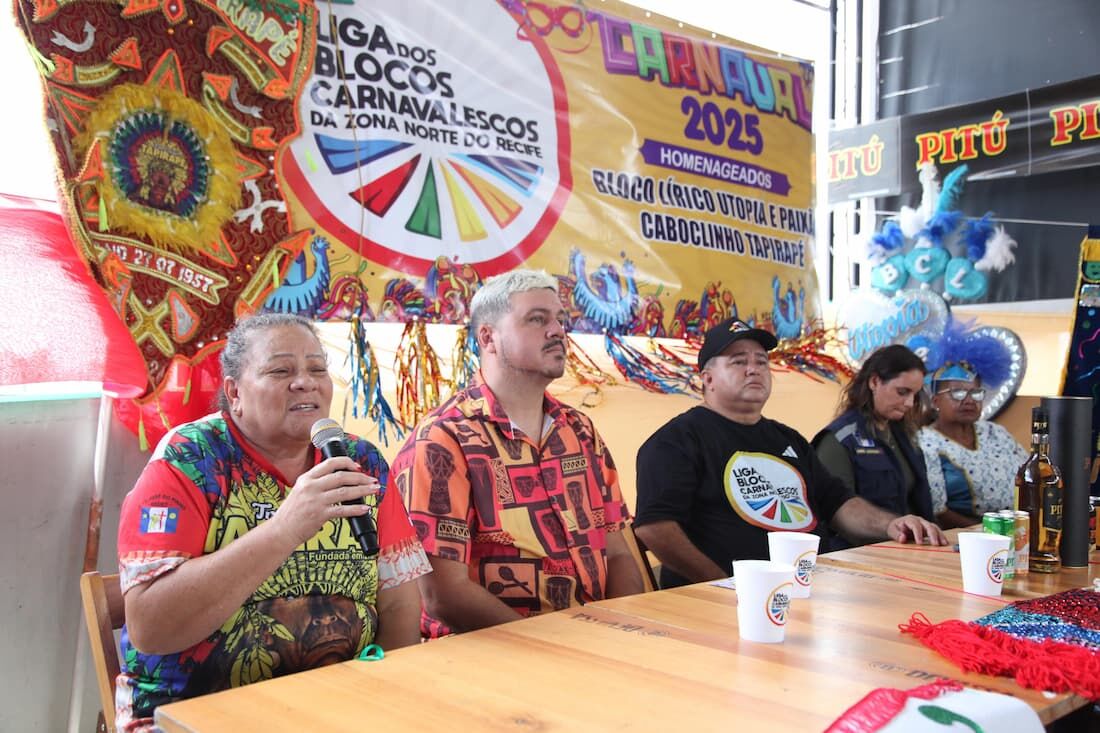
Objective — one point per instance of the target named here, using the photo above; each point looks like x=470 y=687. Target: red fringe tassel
x=1047 y=665
x=880 y=706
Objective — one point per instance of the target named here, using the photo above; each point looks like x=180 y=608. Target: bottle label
x=1052 y=508
x=1050 y=530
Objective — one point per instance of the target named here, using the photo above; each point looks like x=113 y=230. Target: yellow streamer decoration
x=419 y=379
x=812 y=354
x=366 y=384
x=143 y=440
x=464 y=359
x=587 y=373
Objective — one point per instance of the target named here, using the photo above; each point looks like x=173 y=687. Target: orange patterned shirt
x=529 y=520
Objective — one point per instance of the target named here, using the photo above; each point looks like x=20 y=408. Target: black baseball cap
x=725 y=333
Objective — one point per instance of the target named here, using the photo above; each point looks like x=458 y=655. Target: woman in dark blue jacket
x=870 y=445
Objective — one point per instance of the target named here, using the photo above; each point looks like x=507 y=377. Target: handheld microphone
x=328 y=437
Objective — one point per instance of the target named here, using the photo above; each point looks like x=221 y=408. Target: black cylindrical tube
x=1071 y=450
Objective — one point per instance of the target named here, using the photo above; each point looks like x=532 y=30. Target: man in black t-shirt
x=713 y=481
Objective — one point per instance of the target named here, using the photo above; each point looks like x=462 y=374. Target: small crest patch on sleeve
x=159 y=519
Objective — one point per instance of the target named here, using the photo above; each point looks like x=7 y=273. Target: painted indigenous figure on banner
x=377 y=161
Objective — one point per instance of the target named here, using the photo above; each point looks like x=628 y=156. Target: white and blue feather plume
x=939 y=228
x=963 y=343
x=975 y=236
x=998 y=252
x=913 y=220
x=952 y=190
x=885 y=243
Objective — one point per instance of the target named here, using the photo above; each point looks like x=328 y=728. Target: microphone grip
x=365 y=531
x=363 y=527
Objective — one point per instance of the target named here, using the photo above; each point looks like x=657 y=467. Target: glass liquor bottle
x=1039 y=490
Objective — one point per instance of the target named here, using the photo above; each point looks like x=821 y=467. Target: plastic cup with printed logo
x=763 y=599
x=983 y=558
x=798 y=549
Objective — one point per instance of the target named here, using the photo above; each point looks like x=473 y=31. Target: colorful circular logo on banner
x=419 y=141
x=995 y=568
x=778 y=603
x=804 y=568
x=768 y=492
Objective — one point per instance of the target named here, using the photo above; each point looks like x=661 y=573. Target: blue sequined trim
x=1040 y=627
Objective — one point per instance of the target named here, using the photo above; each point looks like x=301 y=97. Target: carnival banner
x=166 y=117
x=663 y=177
x=377 y=160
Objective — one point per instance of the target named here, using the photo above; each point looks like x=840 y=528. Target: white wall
x=46 y=479
x=28 y=168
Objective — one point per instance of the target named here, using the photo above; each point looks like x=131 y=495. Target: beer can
x=1008 y=528
x=991 y=523
x=1023 y=541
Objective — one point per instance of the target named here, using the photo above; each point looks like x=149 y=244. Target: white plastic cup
x=983 y=557
x=798 y=549
x=763 y=599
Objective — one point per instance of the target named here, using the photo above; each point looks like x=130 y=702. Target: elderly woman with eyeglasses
x=971 y=462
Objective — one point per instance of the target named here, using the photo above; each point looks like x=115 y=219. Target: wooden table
x=669 y=660
x=941 y=566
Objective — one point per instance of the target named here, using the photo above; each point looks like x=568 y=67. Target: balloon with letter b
x=890 y=275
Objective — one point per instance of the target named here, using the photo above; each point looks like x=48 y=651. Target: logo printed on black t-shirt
x=768 y=492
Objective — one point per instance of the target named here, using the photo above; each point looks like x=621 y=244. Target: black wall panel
x=938 y=53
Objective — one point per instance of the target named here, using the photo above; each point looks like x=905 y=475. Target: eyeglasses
x=977 y=394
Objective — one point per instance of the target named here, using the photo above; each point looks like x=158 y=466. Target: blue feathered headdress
x=977 y=235
x=964 y=354
x=886 y=243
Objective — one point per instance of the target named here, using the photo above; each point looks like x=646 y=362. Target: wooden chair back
x=641 y=557
x=104 y=612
